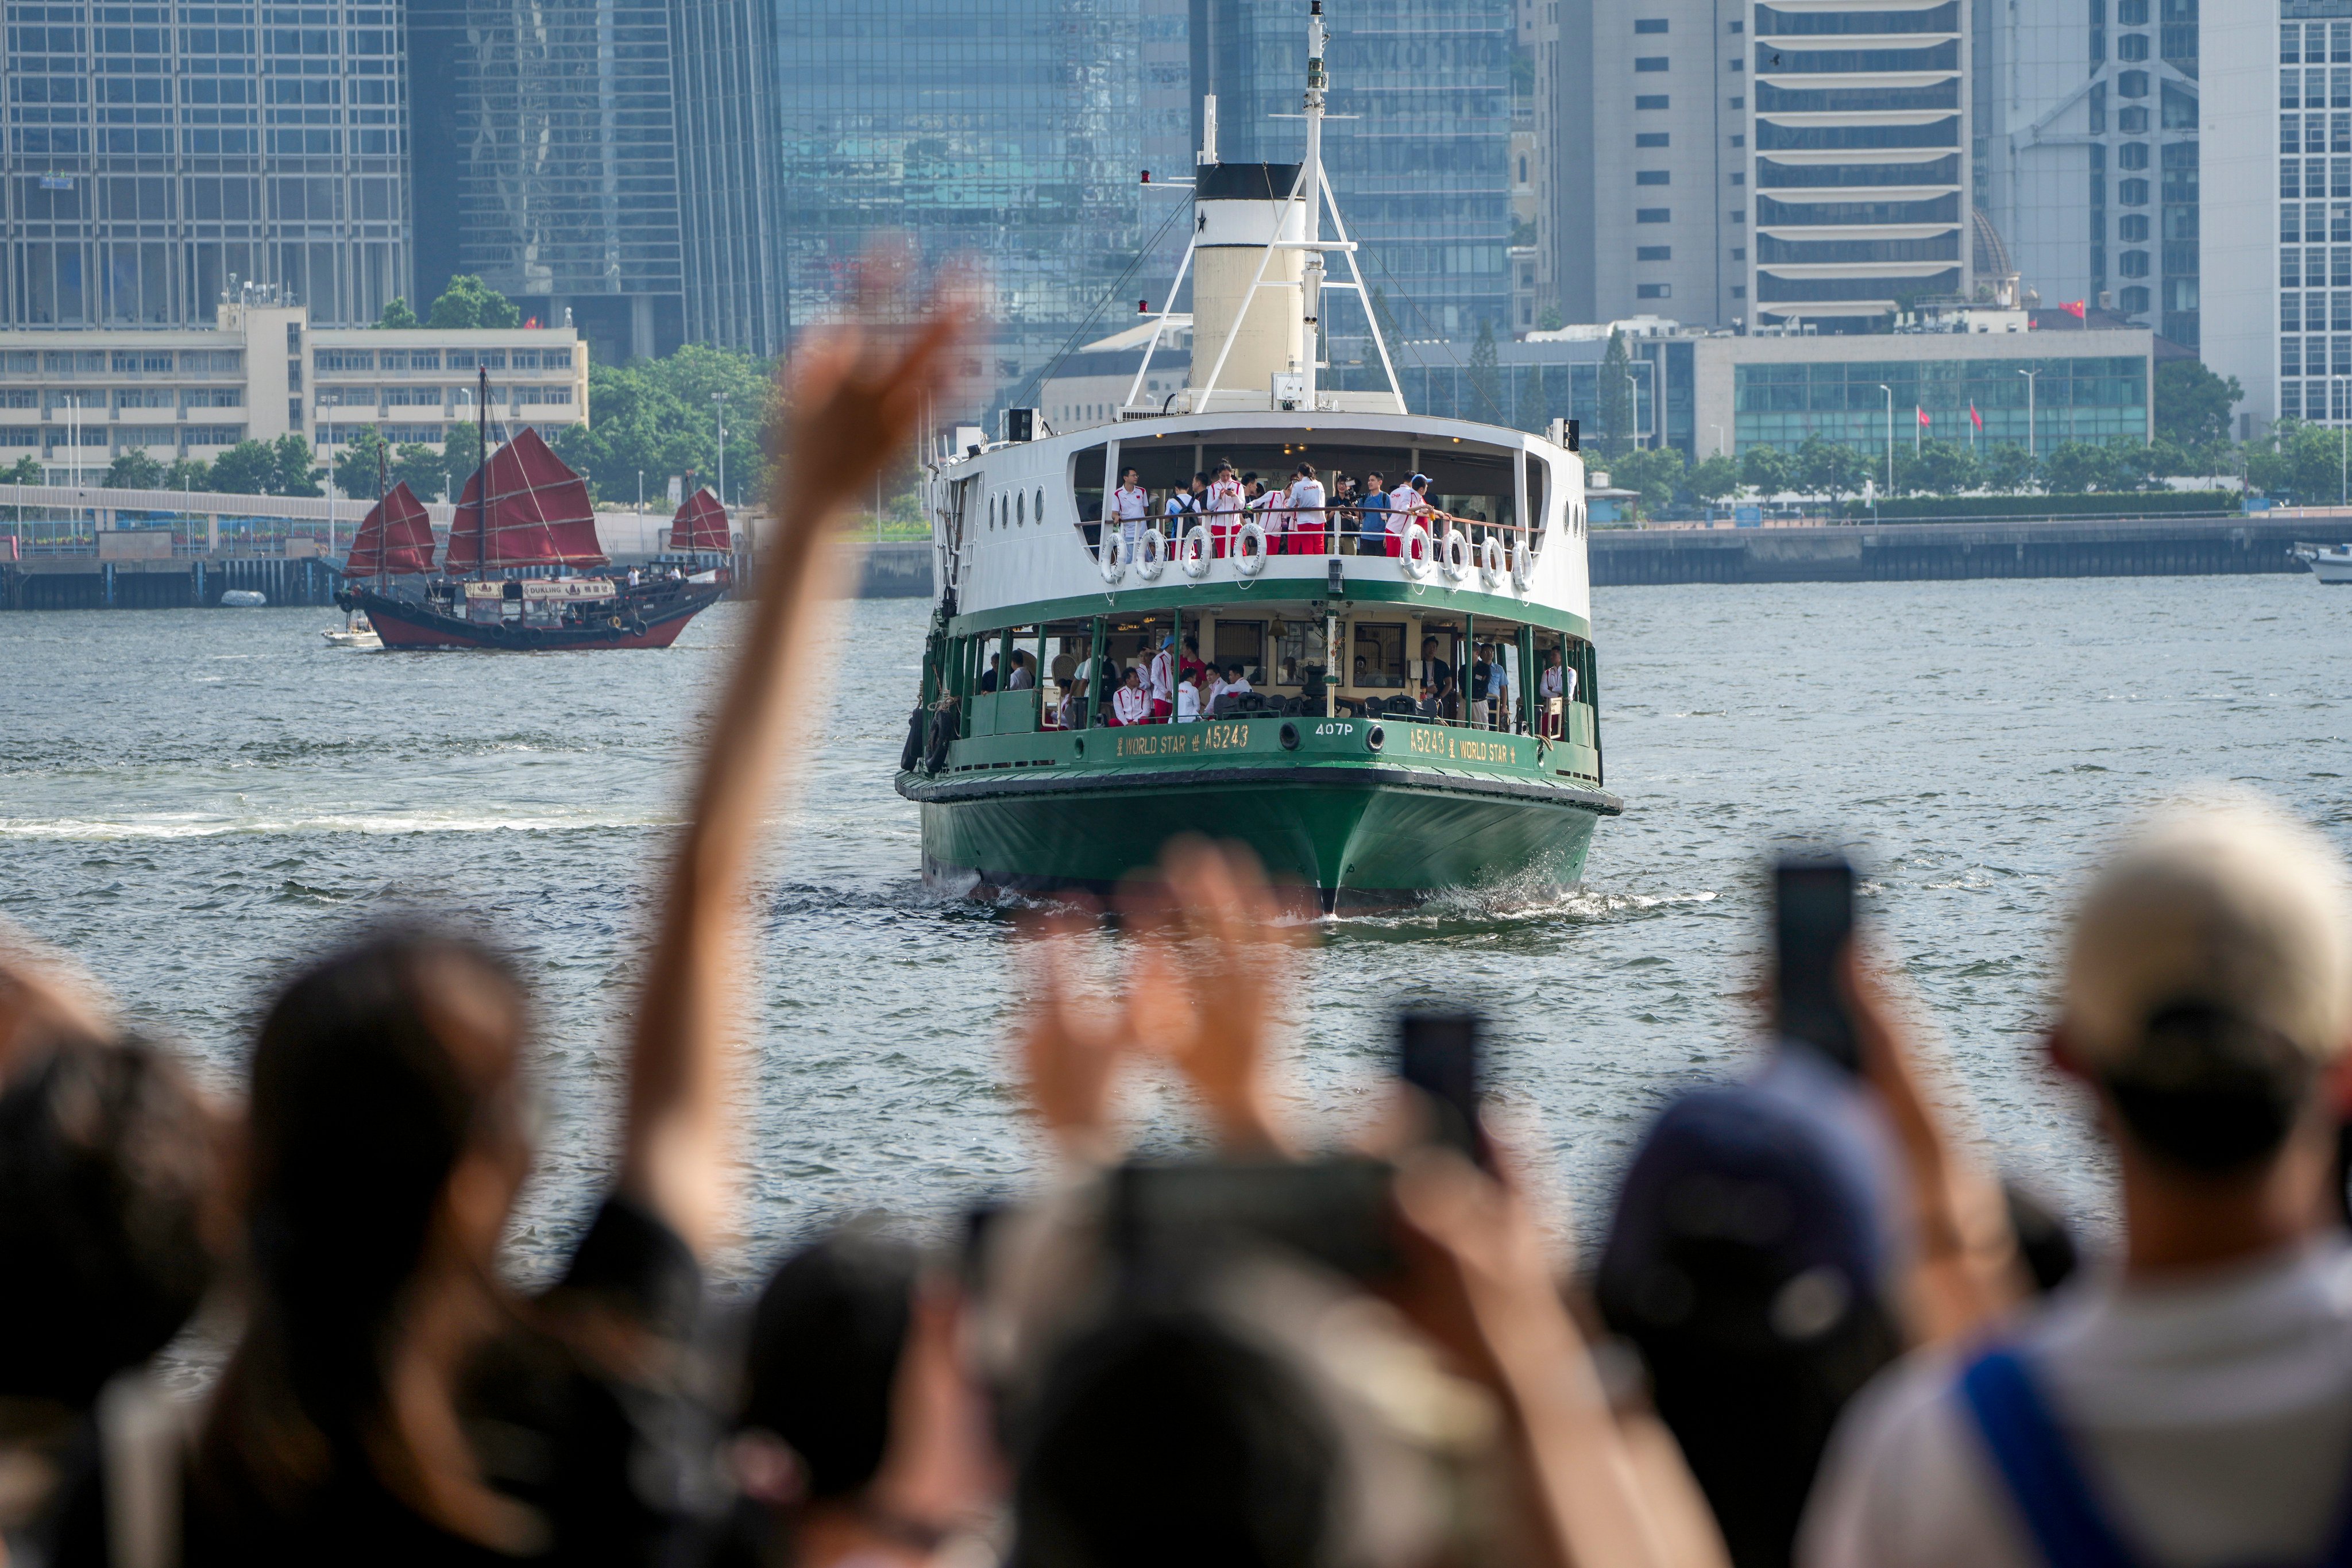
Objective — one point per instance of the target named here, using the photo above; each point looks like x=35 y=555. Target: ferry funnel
x=1238 y=211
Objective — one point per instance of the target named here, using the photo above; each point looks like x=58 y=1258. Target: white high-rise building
x=1858 y=129
x=2277 y=144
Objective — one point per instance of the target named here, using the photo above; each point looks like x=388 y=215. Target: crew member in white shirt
x=1307 y=511
x=1188 y=698
x=2190 y=1400
x=1130 y=504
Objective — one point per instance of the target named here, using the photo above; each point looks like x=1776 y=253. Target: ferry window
x=1041 y=503
x=1242 y=643
x=1299 y=653
x=1020 y=508
x=1378 y=660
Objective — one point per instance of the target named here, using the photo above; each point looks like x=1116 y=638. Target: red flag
x=1922 y=414
x=2075 y=308
x=1973 y=414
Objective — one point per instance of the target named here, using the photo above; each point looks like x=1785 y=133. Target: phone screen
x=1438 y=1054
x=1813 y=925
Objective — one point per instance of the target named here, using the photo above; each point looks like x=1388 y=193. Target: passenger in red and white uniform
x=1223 y=504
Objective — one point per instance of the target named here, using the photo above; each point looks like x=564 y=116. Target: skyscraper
x=1014 y=133
x=2087 y=152
x=2276 y=85
x=1423 y=171
x=155 y=152
x=1664 y=223
x=604 y=158
x=1858 y=132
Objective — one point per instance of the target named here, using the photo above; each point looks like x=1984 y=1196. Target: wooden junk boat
x=522 y=510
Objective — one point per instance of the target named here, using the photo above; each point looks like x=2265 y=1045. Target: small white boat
x=355 y=632
x=244 y=599
x=2331 y=564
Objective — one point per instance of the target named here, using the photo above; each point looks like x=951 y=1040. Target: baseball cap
x=2222 y=907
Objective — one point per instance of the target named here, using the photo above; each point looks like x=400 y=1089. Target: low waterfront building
x=2039 y=387
x=77 y=400
x=1704 y=393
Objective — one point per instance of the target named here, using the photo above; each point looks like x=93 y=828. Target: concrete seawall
x=1917 y=552
x=896 y=570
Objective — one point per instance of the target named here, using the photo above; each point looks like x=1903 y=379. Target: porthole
x=1020 y=511
x=1041 y=503
x=992 y=511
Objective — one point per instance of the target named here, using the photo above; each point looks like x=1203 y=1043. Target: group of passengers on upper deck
x=1305 y=517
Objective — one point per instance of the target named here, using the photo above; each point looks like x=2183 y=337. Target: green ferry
x=1416 y=710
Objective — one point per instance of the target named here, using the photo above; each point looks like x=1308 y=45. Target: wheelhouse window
x=1377 y=655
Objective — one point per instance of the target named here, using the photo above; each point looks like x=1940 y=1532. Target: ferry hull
x=1362 y=839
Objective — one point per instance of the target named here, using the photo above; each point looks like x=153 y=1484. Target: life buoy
x=1114 y=557
x=1523 y=565
x=1151 y=555
x=1454 y=555
x=1248 y=562
x=1491 y=562
x=1193 y=550
x=1413 y=556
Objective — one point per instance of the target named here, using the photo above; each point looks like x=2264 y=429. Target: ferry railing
x=1333 y=530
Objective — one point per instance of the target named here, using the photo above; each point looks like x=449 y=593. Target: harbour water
x=190 y=800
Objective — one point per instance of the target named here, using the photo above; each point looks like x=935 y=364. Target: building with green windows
x=2038 y=388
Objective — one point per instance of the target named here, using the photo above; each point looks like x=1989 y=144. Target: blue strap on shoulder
x=2031 y=1454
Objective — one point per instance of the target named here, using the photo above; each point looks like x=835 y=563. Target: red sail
x=395 y=536
x=700 y=524
x=537 y=514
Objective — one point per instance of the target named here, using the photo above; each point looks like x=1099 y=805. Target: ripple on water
x=191 y=800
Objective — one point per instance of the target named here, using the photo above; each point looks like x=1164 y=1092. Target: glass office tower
x=156 y=153
x=1423 y=172
x=546 y=163
x=611 y=159
x=1013 y=133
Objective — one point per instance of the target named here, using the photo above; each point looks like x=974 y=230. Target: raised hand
x=1071 y=1050
x=1210 y=977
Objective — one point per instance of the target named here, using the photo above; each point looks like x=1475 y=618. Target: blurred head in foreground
x=1250 y=1409
x=1749 y=1259
x=386 y=1143
x=109 y=1182
x=860 y=1438
x=2209 y=992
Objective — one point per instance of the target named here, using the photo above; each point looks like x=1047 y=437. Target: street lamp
x=719 y=400
x=2338 y=413
x=1890 y=435
x=1634 y=406
x=2030 y=377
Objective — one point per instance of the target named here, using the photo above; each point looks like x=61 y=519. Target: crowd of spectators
x=1820 y=1331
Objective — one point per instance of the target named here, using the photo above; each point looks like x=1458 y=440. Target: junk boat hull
x=1357 y=833
x=651 y=623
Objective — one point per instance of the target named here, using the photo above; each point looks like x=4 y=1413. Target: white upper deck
x=1019 y=524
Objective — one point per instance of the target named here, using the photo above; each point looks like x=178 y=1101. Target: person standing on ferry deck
x=1307 y=509
x=1372 y=510
x=1407 y=503
x=1130 y=504
x=1179 y=508
x=1164 y=681
x=1224 y=501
